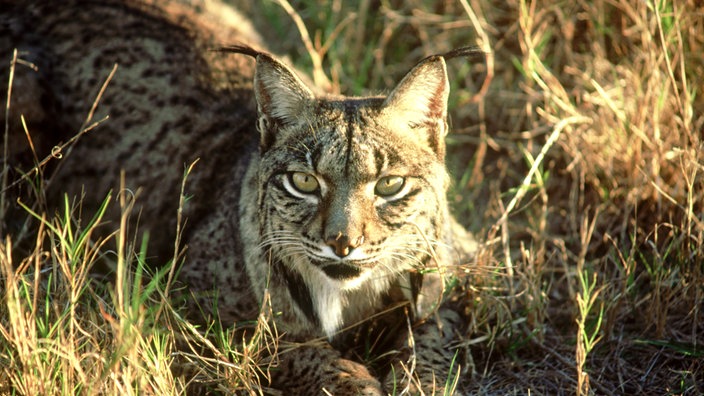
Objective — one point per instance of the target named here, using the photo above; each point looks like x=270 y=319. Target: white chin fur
x=329 y=295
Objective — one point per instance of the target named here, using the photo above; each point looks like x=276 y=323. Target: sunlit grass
x=65 y=331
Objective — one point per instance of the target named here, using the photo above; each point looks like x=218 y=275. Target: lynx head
x=351 y=190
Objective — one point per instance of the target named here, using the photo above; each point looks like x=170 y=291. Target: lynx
x=328 y=210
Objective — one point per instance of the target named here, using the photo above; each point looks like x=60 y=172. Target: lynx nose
x=342 y=244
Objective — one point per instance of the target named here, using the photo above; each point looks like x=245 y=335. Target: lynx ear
x=281 y=97
x=420 y=100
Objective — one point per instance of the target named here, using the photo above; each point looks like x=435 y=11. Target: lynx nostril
x=342 y=244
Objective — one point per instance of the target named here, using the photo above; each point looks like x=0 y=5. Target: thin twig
x=319 y=77
x=87 y=123
x=525 y=185
x=485 y=46
x=178 y=252
x=56 y=152
x=6 y=140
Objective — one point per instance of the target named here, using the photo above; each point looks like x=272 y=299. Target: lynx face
x=352 y=190
x=352 y=196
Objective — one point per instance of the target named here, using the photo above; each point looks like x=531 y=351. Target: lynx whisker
x=391 y=257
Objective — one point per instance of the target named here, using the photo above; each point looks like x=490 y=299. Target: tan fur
x=328 y=258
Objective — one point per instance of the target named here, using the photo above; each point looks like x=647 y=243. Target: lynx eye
x=304 y=182
x=389 y=185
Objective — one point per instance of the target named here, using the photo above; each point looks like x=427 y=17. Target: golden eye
x=304 y=182
x=389 y=185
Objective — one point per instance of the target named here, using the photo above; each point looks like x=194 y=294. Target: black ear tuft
x=465 y=52
x=240 y=49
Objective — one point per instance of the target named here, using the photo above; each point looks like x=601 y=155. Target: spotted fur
x=332 y=209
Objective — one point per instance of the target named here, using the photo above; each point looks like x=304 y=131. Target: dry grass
x=577 y=150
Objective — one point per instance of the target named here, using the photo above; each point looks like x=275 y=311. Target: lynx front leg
x=428 y=363
x=310 y=370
